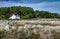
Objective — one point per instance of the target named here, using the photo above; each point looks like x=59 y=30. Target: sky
x=46 y=5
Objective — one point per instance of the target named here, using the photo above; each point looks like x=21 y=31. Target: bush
x=33 y=36
x=2 y=34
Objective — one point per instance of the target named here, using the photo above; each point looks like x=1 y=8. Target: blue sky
x=46 y=5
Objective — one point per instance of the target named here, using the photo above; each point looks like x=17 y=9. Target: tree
x=25 y=13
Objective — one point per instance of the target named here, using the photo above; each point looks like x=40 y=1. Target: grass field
x=30 y=29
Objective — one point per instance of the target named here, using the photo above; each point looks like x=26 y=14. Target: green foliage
x=25 y=13
x=45 y=14
x=15 y=34
x=24 y=35
x=2 y=34
x=33 y=36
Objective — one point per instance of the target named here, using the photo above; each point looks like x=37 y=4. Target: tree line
x=25 y=13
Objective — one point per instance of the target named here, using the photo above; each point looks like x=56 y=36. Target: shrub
x=2 y=34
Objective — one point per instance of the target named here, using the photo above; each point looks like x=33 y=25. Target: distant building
x=15 y=16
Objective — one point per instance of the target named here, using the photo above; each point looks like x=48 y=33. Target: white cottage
x=15 y=16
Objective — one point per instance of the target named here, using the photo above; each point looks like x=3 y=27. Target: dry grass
x=19 y=24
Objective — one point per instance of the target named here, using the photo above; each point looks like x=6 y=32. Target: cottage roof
x=15 y=16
